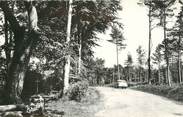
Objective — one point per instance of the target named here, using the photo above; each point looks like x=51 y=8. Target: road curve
x=131 y=103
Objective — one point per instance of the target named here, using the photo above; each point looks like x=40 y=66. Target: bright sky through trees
x=135 y=21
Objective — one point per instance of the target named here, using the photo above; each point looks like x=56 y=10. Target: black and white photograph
x=91 y=58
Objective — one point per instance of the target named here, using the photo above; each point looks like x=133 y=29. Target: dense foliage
x=174 y=92
x=77 y=90
x=34 y=34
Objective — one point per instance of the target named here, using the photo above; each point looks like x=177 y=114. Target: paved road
x=131 y=103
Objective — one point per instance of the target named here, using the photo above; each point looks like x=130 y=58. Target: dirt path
x=131 y=103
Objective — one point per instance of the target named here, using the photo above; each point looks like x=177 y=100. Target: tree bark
x=80 y=55
x=117 y=54
x=67 y=64
x=16 y=74
x=149 y=44
x=7 y=50
x=166 y=48
x=128 y=73
x=24 y=44
x=80 y=42
x=159 y=72
x=179 y=60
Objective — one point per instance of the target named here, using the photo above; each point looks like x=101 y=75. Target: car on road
x=122 y=84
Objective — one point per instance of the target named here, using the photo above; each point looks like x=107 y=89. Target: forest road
x=131 y=103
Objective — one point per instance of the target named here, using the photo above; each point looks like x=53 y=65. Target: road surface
x=131 y=103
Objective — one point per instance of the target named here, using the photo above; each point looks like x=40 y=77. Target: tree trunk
x=179 y=60
x=79 y=37
x=139 y=74
x=17 y=70
x=7 y=50
x=128 y=73
x=80 y=54
x=159 y=72
x=117 y=60
x=113 y=75
x=19 y=63
x=149 y=45
x=166 y=48
x=67 y=64
x=179 y=68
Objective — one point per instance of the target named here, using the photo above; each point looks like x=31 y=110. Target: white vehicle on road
x=122 y=84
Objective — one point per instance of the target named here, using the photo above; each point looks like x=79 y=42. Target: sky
x=135 y=21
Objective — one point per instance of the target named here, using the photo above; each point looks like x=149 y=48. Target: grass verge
x=85 y=108
x=174 y=92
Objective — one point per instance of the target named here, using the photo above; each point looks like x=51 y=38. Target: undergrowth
x=174 y=92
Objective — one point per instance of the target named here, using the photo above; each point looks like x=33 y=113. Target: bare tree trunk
x=149 y=45
x=117 y=59
x=80 y=55
x=159 y=73
x=67 y=64
x=166 y=49
x=139 y=74
x=7 y=50
x=179 y=61
x=179 y=68
x=128 y=74
x=113 y=77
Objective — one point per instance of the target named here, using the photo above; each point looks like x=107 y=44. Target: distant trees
x=151 y=14
x=157 y=59
x=167 y=56
x=178 y=45
x=129 y=66
x=163 y=10
x=118 y=40
x=141 y=61
x=96 y=73
x=99 y=71
x=171 y=47
x=62 y=42
x=129 y=60
x=86 y=21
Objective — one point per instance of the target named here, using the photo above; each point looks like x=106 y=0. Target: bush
x=174 y=92
x=77 y=90
x=155 y=89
